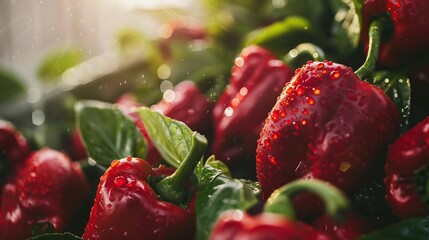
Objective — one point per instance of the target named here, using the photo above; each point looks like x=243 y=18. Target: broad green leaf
x=11 y=85
x=397 y=87
x=345 y=27
x=416 y=229
x=56 y=236
x=56 y=62
x=218 y=193
x=280 y=37
x=172 y=138
x=107 y=133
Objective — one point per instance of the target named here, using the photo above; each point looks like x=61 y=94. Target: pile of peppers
x=293 y=119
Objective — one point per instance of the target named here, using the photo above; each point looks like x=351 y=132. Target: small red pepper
x=406 y=156
x=257 y=79
x=13 y=143
x=351 y=228
x=409 y=36
x=237 y=225
x=127 y=206
x=189 y=105
x=276 y=222
x=77 y=148
x=47 y=187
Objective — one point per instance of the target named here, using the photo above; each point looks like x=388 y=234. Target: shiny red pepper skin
x=407 y=154
x=126 y=207
x=237 y=225
x=77 y=148
x=47 y=187
x=257 y=79
x=351 y=228
x=410 y=34
x=327 y=124
x=13 y=143
x=189 y=106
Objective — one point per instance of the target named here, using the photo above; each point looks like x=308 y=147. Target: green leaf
x=42 y=228
x=56 y=62
x=107 y=133
x=416 y=229
x=172 y=138
x=345 y=27
x=280 y=37
x=11 y=85
x=396 y=85
x=219 y=192
x=317 y=12
x=56 y=236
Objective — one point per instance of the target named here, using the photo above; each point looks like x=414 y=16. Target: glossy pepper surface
x=189 y=105
x=237 y=225
x=408 y=154
x=352 y=227
x=256 y=81
x=408 y=37
x=327 y=124
x=12 y=143
x=126 y=206
x=47 y=187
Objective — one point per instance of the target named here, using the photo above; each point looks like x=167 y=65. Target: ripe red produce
x=351 y=228
x=406 y=156
x=76 y=146
x=126 y=206
x=236 y=225
x=189 y=105
x=408 y=37
x=12 y=143
x=238 y=115
x=48 y=187
x=326 y=124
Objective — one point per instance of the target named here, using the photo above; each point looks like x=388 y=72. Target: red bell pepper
x=405 y=30
x=326 y=124
x=47 y=187
x=406 y=156
x=132 y=203
x=189 y=105
x=276 y=222
x=257 y=78
x=13 y=144
x=351 y=228
x=237 y=225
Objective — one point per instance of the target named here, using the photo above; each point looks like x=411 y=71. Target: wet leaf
x=107 y=133
x=396 y=85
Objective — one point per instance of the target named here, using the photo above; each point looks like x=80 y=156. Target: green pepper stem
x=302 y=53
x=173 y=188
x=374 y=33
x=280 y=201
